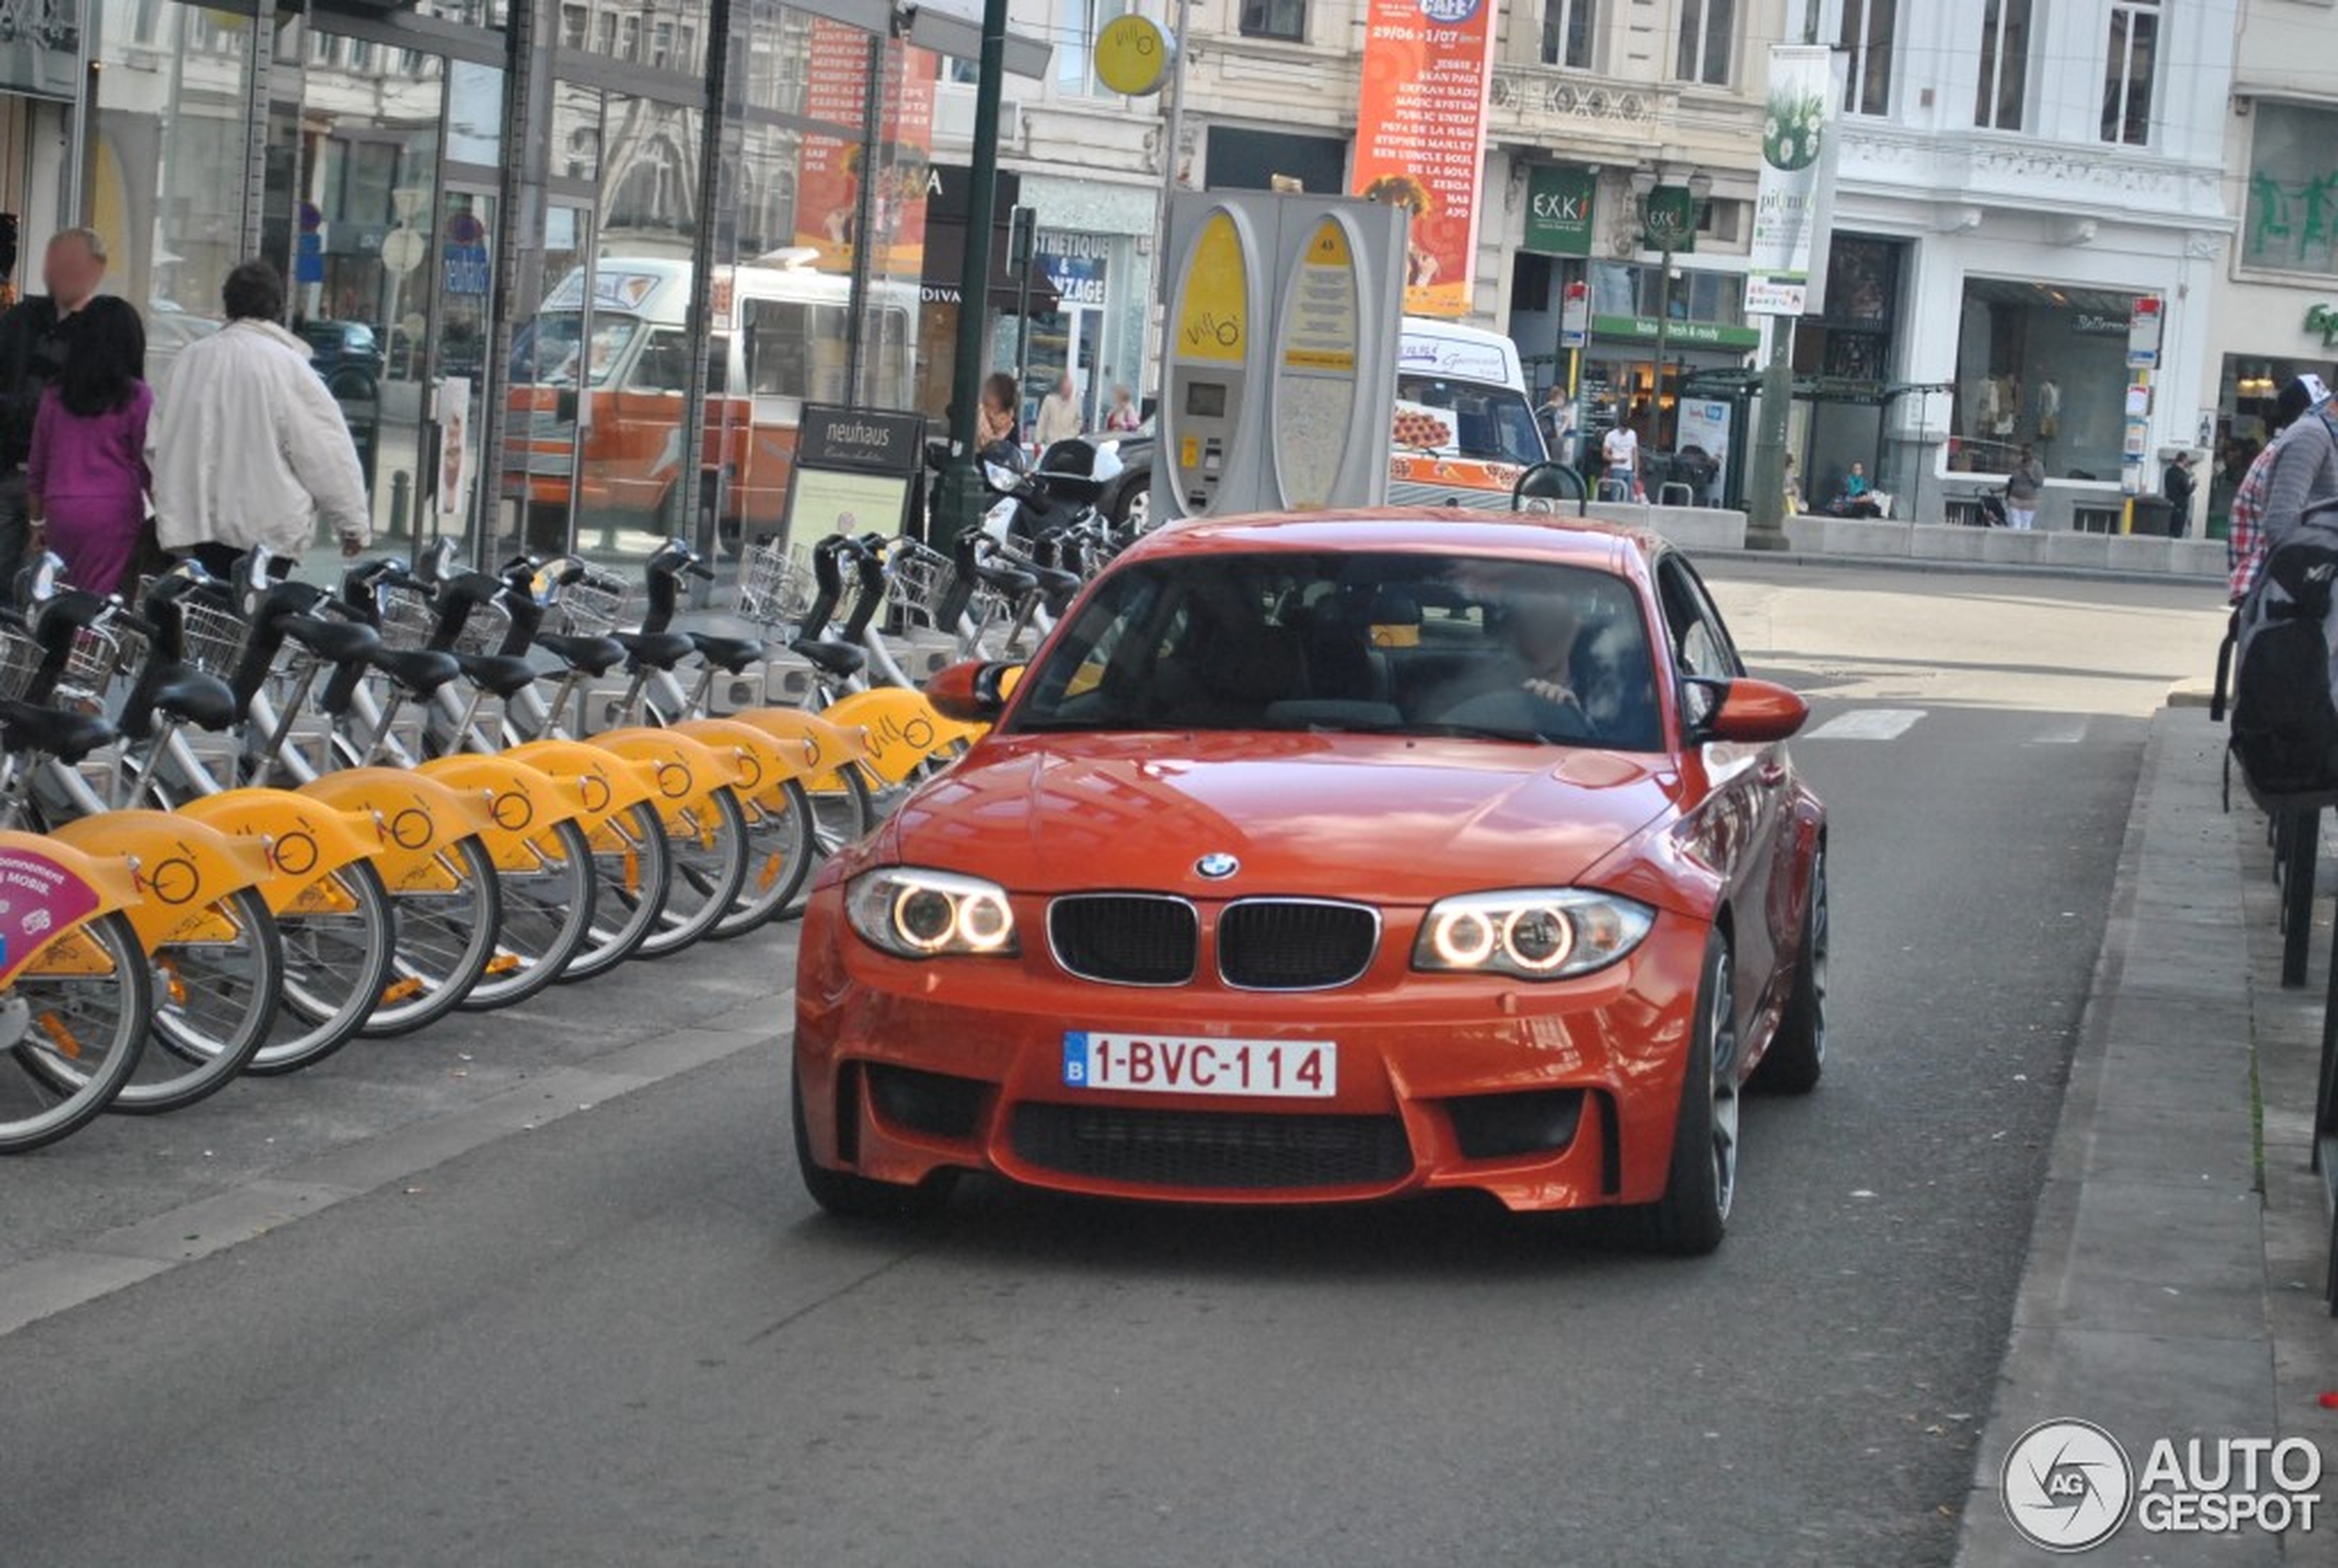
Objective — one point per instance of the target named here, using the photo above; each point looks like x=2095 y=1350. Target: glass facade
x=571 y=289
x=2044 y=367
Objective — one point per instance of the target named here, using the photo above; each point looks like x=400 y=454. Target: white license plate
x=1160 y=1063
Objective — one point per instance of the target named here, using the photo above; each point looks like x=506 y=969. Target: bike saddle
x=656 y=650
x=500 y=673
x=334 y=641
x=731 y=654
x=193 y=698
x=419 y=670
x=594 y=655
x=1005 y=578
x=834 y=657
x=52 y=732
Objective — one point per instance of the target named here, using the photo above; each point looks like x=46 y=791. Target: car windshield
x=1387 y=644
x=545 y=350
x=1467 y=419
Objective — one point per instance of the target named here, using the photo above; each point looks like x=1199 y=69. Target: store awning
x=955 y=26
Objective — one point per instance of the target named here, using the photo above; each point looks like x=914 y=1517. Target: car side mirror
x=1743 y=711
x=974 y=692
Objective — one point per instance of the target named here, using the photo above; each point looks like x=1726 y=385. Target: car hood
x=1393 y=819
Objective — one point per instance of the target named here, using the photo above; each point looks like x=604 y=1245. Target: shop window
x=1567 y=32
x=2044 y=367
x=1285 y=19
x=1709 y=29
x=2004 y=64
x=1869 y=28
x=2292 y=221
x=2129 y=67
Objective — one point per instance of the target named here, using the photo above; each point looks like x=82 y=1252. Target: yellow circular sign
x=1133 y=55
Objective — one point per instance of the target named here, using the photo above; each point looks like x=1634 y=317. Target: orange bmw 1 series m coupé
x=1320 y=859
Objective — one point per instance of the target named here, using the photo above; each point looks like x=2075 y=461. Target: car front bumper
x=1547 y=1096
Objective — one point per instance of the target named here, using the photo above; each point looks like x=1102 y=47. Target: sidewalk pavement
x=2174 y=1287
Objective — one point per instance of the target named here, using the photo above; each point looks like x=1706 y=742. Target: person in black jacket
x=2178 y=486
x=34 y=336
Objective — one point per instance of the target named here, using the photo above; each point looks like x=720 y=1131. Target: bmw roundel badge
x=1217 y=867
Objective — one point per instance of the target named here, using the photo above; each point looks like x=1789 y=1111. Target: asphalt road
x=522 y=1332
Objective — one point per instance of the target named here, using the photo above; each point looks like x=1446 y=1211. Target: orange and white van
x=1463 y=430
x=599 y=375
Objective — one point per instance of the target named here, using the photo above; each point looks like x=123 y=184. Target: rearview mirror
x=974 y=692
x=1743 y=711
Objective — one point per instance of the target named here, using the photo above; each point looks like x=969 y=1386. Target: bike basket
x=213 y=637
x=775 y=583
x=484 y=629
x=917 y=580
x=595 y=605
x=408 y=620
x=20 y=662
x=99 y=654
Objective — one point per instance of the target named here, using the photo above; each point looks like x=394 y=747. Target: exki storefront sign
x=1560 y=209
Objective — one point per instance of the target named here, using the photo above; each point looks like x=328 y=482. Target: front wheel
x=1690 y=1219
x=1797 y=1058
x=849 y=1196
x=634 y=871
x=781 y=841
x=339 y=938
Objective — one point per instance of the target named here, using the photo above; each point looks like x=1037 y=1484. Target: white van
x=1464 y=427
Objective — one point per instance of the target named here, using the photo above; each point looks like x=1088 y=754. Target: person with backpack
x=2253 y=515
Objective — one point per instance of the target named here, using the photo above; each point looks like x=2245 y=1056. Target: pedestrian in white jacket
x=247 y=447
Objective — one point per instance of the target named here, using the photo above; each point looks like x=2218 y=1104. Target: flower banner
x=1788 y=210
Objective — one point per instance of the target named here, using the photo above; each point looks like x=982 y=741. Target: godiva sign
x=2323 y=318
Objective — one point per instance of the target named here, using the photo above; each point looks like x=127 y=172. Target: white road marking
x=2069 y=733
x=1867 y=724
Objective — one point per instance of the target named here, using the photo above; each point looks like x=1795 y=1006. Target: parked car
x=337 y=346
x=1322 y=858
x=1128 y=498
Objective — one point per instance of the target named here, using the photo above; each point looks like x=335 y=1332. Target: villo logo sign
x=2068 y=1486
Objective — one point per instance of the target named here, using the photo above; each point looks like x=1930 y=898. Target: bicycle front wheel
x=547 y=918
x=446 y=927
x=80 y=1013
x=215 y=1000
x=782 y=838
x=634 y=870
x=709 y=867
x=842 y=811
x=340 y=940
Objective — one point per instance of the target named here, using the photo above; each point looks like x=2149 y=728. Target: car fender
x=307 y=840
x=902 y=729
x=524 y=803
x=415 y=821
x=48 y=890
x=183 y=867
x=766 y=761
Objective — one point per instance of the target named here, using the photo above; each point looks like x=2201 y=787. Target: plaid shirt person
x=2245 y=539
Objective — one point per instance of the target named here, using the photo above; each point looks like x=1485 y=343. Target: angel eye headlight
x=912 y=912
x=1532 y=933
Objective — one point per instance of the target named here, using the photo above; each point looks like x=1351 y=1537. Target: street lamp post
x=1669 y=225
x=958 y=498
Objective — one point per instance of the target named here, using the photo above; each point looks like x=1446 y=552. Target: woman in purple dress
x=86 y=478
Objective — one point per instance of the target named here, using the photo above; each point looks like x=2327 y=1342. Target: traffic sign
x=1575 y=317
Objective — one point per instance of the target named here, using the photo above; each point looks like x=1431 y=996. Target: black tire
x=114 y=1008
x=337 y=962
x=547 y=920
x=1797 y=1058
x=710 y=868
x=1689 y=1221
x=445 y=940
x=847 y=1196
x=839 y=816
x=633 y=868
x=215 y=1013
x=782 y=846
